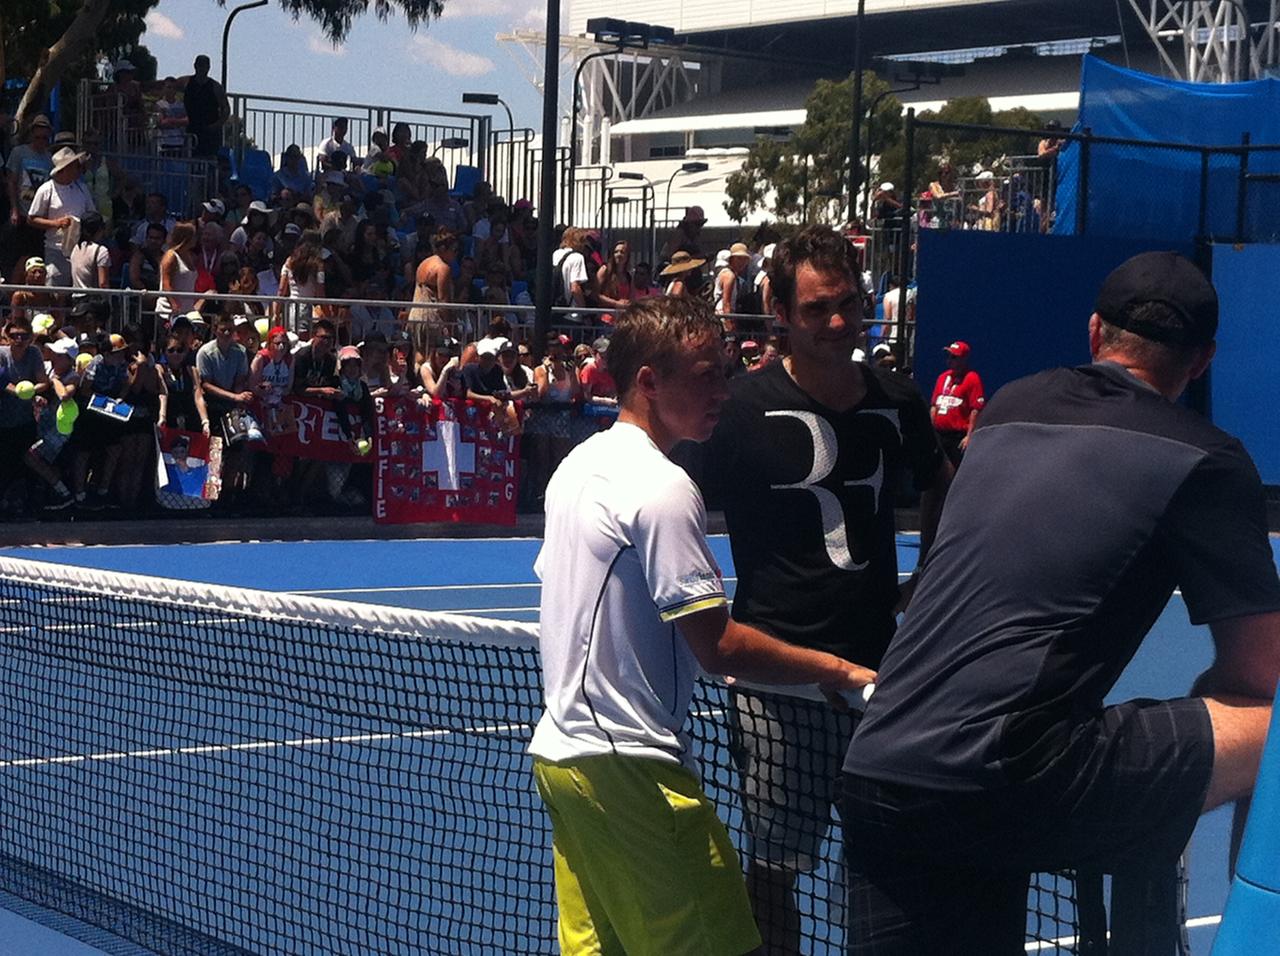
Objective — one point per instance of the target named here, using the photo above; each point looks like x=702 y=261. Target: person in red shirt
x=598 y=385
x=957 y=399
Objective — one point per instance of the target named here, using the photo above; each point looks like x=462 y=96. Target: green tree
x=52 y=41
x=805 y=177
x=963 y=149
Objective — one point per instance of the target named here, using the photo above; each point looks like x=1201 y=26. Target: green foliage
x=804 y=177
x=966 y=150
x=336 y=16
x=776 y=178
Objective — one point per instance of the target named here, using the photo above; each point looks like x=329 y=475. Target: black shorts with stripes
x=946 y=872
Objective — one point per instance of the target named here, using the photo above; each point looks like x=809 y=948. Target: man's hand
x=244 y=398
x=849 y=677
x=62 y=223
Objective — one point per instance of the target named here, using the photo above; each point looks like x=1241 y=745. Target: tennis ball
x=42 y=324
x=25 y=390
x=262 y=326
x=65 y=418
x=363 y=446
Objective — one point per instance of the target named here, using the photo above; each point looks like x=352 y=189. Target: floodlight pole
x=547 y=193
x=855 y=137
x=493 y=99
x=226 y=34
x=573 y=120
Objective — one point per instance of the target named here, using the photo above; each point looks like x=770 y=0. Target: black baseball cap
x=1170 y=279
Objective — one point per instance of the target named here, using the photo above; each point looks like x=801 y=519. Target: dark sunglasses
x=177 y=350
x=20 y=336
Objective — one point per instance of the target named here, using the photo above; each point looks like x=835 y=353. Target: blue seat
x=465 y=179
x=256 y=172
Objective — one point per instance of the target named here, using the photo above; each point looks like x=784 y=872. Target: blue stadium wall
x=1023 y=303
x=1242 y=385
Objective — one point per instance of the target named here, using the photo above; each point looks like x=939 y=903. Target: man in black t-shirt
x=206 y=104
x=805 y=461
x=315 y=367
x=986 y=754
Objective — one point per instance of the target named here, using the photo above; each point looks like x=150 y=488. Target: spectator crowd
x=427 y=275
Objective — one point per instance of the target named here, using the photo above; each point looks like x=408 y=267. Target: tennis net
x=200 y=769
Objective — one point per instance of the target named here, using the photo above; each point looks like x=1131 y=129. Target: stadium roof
x=829 y=40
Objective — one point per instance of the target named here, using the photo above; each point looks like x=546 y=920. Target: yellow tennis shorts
x=644 y=867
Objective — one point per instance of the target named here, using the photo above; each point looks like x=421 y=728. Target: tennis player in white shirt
x=632 y=606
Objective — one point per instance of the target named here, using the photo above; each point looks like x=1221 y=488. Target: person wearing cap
x=884 y=357
x=207 y=108
x=685 y=237
x=57 y=207
x=598 y=385
x=214 y=211
x=27 y=168
x=28 y=304
x=682 y=274
x=257 y=216
x=957 y=399
x=989 y=209
x=52 y=425
x=731 y=280
x=885 y=204
x=806 y=462
x=328 y=198
x=353 y=403
x=483 y=378
x=1088 y=495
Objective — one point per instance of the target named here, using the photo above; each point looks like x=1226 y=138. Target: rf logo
x=825 y=454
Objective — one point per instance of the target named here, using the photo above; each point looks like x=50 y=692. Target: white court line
x=204 y=749
x=1069 y=942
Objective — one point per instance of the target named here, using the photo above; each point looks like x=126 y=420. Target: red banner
x=447 y=461
x=306 y=428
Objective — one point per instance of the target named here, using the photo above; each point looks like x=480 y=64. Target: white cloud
x=323 y=47
x=514 y=12
x=160 y=25
x=448 y=59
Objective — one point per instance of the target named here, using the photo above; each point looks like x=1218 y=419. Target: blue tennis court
x=484 y=578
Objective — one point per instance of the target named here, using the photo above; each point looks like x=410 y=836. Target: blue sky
x=381 y=63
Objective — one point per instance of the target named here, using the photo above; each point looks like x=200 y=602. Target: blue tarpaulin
x=1153 y=193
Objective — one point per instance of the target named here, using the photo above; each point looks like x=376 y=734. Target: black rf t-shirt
x=808 y=496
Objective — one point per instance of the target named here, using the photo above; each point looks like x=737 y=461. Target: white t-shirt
x=624 y=555
x=331 y=146
x=573 y=268
x=54 y=200
x=86 y=259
